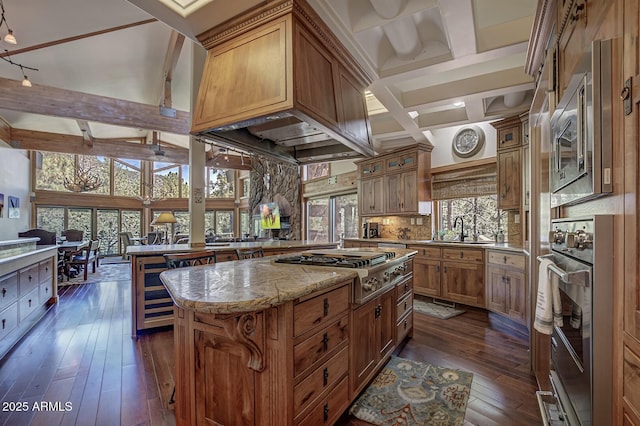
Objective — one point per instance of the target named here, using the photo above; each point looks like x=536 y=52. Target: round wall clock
x=467 y=141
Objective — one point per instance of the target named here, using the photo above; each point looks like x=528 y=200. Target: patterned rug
x=434 y=310
x=414 y=393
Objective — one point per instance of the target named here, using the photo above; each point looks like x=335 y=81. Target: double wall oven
x=581 y=358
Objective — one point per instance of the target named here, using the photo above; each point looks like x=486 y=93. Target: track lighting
x=9 y=37
x=25 y=80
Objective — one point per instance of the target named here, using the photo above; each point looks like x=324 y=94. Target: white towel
x=548 y=305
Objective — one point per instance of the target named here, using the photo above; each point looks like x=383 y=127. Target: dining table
x=67 y=249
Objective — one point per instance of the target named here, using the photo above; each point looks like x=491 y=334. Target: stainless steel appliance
x=371 y=230
x=580 y=161
x=377 y=269
x=581 y=250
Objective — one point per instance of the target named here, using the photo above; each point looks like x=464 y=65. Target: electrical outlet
x=413 y=220
x=419 y=221
x=385 y=221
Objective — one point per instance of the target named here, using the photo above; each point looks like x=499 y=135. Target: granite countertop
x=12 y=258
x=19 y=241
x=257 y=284
x=488 y=245
x=253 y=284
x=175 y=248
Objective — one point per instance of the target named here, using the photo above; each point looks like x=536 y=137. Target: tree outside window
x=481 y=217
x=220 y=183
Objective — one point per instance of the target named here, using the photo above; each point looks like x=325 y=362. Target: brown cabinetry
x=404 y=310
x=509 y=179
x=395 y=183
x=372 y=340
x=507 y=286
x=454 y=274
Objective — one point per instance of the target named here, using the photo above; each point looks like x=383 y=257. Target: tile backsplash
x=402 y=228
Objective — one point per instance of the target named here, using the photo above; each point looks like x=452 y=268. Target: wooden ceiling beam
x=56 y=102
x=176 y=41
x=71 y=144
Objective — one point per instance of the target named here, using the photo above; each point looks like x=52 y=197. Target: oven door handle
x=565 y=276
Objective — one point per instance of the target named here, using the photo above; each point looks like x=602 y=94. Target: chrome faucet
x=455 y=223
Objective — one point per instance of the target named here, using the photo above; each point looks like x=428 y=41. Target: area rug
x=415 y=393
x=434 y=310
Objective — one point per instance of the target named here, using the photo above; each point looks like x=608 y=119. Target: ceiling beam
x=176 y=41
x=56 y=102
x=74 y=38
x=71 y=144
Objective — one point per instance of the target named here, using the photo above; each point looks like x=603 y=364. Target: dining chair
x=47 y=238
x=181 y=260
x=249 y=253
x=73 y=234
x=125 y=238
x=83 y=257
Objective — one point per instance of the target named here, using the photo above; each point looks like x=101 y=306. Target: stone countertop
x=489 y=245
x=251 y=285
x=19 y=241
x=6 y=261
x=176 y=248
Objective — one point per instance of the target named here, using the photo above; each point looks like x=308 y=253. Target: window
x=170 y=180
x=220 y=183
x=245 y=223
x=126 y=178
x=330 y=219
x=54 y=169
x=219 y=222
x=80 y=219
x=481 y=217
x=316 y=171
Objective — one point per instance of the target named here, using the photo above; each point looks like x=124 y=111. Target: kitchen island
x=260 y=342
x=151 y=306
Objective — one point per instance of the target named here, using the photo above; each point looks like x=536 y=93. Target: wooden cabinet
x=400 y=181
x=371 y=196
x=509 y=179
x=372 y=339
x=507 y=286
x=426 y=270
x=402 y=195
x=404 y=310
x=454 y=274
x=358 y=244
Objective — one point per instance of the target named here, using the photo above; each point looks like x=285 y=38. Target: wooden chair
x=73 y=234
x=249 y=253
x=47 y=238
x=95 y=249
x=82 y=258
x=125 y=238
x=181 y=260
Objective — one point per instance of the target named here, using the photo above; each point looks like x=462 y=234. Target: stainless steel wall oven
x=581 y=250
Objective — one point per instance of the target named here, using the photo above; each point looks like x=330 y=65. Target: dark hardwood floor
x=82 y=361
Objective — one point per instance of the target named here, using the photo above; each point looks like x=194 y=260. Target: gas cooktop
x=339 y=258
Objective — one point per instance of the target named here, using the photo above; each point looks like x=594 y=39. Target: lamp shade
x=163 y=218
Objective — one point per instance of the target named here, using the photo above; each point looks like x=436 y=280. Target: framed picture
x=1 y=205
x=14 y=207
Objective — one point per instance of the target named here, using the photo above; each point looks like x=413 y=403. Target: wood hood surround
x=276 y=82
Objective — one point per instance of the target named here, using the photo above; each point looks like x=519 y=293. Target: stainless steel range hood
x=277 y=83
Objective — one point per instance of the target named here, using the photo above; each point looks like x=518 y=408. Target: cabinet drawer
x=8 y=319
x=404 y=326
x=324 y=377
x=28 y=279
x=45 y=271
x=8 y=289
x=509 y=138
x=226 y=256
x=45 y=292
x=506 y=259
x=434 y=252
x=313 y=349
x=320 y=310
x=404 y=287
x=330 y=407
x=28 y=303
x=472 y=255
x=404 y=305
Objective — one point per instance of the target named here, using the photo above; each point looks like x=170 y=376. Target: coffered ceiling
x=435 y=63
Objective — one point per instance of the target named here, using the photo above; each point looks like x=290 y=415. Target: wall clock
x=467 y=141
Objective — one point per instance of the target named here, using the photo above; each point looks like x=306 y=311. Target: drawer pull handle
x=29 y=302
x=30 y=277
x=325 y=376
x=4 y=291
x=406 y=287
x=326 y=307
x=405 y=305
x=461 y=254
x=326 y=412
x=445 y=269
x=406 y=323
x=438 y=268
x=325 y=342
x=4 y=321
x=378 y=311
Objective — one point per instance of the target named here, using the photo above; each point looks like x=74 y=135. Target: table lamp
x=164 y=218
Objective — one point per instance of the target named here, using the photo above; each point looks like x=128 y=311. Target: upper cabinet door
x=352 y=109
